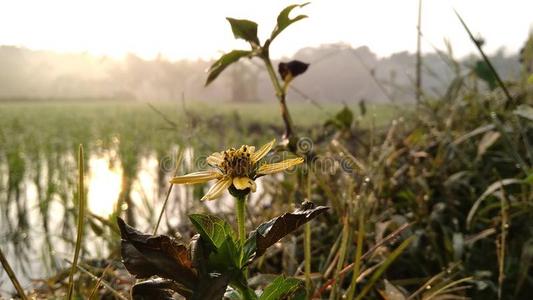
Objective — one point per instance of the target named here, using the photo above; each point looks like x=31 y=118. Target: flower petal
x=242 y=183
x=215 y=159
x=256 y=156
x=196 y=177
x=278 y=167
x=217 y=189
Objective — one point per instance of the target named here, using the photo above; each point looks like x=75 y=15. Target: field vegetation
x=427 y=200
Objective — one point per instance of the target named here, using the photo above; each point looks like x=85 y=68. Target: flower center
x=237 y=162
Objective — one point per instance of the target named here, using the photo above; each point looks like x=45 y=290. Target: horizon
x=119 y=59
x=162 y=25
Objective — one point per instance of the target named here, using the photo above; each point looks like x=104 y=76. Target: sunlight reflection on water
x=104 y=184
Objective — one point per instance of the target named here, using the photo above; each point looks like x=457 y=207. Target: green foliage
x=436 y=205
x=247 y=30
x=280 y=288
x=223 y=62
x=342 y=120
x=212 y=229
x=284 y=21
x=244 y=29
x=483 y=71
x=190 y=269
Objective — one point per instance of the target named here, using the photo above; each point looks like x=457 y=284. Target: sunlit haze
x=198 y=29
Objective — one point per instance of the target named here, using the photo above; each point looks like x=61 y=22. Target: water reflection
x=38 y=248
x=104 y=185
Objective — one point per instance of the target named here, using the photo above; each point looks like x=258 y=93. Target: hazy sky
x=198 y=29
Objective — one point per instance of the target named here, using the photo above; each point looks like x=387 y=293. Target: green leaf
x=218 y=270
x=249 y=250
x=342 y=120
x=223 y=62
x=280 y=287
x=284 y=21
x=226 y=259
x=268 y=233
x=483 y=71
x=212 y=229
x=244 y=29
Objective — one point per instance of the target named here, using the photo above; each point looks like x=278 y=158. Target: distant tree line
x=338 y=73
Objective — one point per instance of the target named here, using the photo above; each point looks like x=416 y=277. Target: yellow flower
x=236 y=168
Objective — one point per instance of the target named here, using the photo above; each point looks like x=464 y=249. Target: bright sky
x=198 y=29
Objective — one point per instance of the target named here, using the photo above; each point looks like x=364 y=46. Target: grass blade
x=392 y=257
x=342 y=255
x=12 y=276
x=358 y=255
x=103 y=282
x=447 y=287
x=487 y=61
x=81 y=216
x=99 y=281
x=178 y=163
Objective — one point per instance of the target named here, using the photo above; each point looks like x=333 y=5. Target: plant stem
x=241 y=208
x=241 y=202
x=280 y=93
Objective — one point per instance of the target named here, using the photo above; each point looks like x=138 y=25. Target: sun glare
x=104 y=185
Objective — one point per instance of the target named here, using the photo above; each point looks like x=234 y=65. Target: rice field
x=130 y=153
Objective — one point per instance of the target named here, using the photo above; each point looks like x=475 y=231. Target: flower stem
x=307 y=257
x=241 y=206
x=307 y=244
x=241 y=201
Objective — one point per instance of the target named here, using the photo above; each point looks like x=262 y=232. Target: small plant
x=247 y=30
x=216 y=257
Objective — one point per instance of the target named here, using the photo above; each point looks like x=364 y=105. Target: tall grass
x=81 y=222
